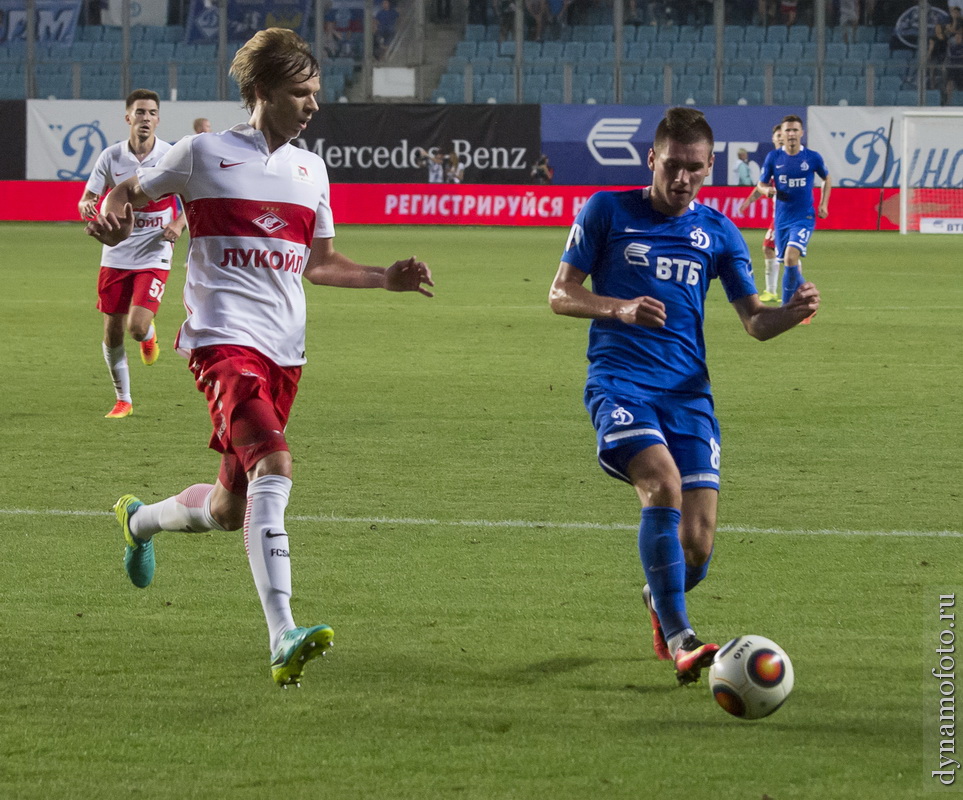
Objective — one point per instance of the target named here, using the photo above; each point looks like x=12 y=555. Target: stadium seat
x=594 y=51
x=777 y=34
x=734 y=33
x=799 y=33
x=836 y=51
x=660 y=50
x=486 y=49
x=573 y=51
x=688 y=33
x=603 y=33
x=505 y=95
x=475 y=33
x=858 y=52
x=552 y=50
x=754 y=33
x=645 y=33
x=791 y=51
x=580 y=33
x=879 y=52
x=466 y=49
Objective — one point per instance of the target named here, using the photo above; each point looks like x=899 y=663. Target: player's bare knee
x=697 y=551
x=138 y=331
x=659 y=491
x=228 y=519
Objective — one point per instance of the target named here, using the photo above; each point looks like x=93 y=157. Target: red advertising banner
x=478 y=204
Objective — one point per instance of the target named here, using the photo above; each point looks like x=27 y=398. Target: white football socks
x=189 y=511
x=149 y=335
x=675 y=642
x=266 y=542
x=772 y=275
x=116 y=358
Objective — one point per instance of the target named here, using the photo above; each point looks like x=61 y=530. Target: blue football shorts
x=629 y=418
x=793 y=234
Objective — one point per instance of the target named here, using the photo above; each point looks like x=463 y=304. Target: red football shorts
x=769 y=240
x=119 y=289
x=249 y=398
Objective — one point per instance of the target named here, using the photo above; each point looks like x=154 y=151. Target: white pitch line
x=515 y=523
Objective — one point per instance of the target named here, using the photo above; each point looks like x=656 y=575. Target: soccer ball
x=751 y=677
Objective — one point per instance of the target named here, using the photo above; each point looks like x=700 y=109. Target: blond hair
x=268 y=59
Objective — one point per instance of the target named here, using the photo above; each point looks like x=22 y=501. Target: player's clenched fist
x=645 y=311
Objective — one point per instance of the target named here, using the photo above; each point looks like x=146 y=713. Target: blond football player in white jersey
x=133 y=273
x=261 y=222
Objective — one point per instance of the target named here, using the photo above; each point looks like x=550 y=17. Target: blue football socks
x=664 y=565
x=792 y=279
x=694 y=575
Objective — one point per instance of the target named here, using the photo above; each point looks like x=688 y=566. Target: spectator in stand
x=936 y=50
x=542 y=172
x=443 y=10
x=478 y=12
x=787 y=12
x=331 y=39
x=956 y=20
x=766 y=12
x=849 y=19
x=954 y=65
x=454 y=169
x=386 y=21
x=556 y=17
x=505 y=14
x=746 y=171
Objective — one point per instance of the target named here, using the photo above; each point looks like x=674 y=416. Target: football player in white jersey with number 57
x=134 y=273
x=260 y=219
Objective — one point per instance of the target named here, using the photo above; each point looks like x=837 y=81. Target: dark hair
x=141 y=94
x=790 y=118
x=684 y=125
x=268 y=59
x=777 y=127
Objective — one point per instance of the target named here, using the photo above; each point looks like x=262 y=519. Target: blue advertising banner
x=245 y=18
x=608 y=145
x=56 y=21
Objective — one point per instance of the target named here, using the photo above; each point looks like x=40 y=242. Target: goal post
x=931 y=170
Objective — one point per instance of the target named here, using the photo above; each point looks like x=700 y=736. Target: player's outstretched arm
x=763 y=322
x=88 y=205
x=761 y=190
x=327 y=267
x=823 y=210
x=570 y=297
x=115 y=222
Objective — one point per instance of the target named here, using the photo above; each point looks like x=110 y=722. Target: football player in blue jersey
x=652 y=253
x=793 y=170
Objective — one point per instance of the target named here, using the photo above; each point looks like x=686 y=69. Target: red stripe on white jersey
x=156 y=206
x=228 y=216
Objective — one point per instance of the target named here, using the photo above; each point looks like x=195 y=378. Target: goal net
x=931 y=171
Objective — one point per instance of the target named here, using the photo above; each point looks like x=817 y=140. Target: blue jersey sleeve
x=735 y=265
x=820 y=166
x=589 y=234
x=768 y=169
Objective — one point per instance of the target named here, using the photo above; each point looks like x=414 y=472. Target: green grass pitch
x=481 y=574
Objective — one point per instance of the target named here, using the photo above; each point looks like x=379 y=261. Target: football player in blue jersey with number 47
x=652 y=253
x=792 y=169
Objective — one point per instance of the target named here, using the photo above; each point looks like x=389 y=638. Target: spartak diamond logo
x=270 y=222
